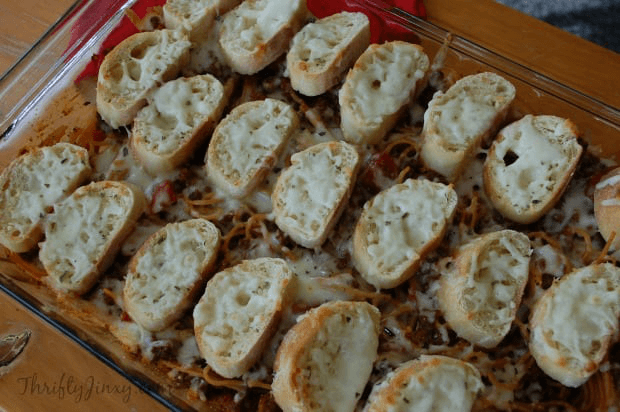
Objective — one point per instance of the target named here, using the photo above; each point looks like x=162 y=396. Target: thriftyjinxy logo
x=68 y=386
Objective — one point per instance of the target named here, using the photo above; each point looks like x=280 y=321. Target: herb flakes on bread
x=573 y=323
x=31 y=185
x=530 y=165
x=195 y=16
x=376 y=91
x=322 y=51
x=180 y=116
x=325 y=360
x=169 y=271
x=134 y=68
x=257 y=32
x=429 y=383
x=482 y=289
x=398 y=228
x=457 y=121
x=86 y=231
x=310 y=195
x=247 y=144
x=239 y=312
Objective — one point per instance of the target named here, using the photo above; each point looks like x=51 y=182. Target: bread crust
x=378 y=270
x=562 y=360
x=154 y=316
x=147 y=137
x=607 y=207
x=288 y=217
x=54 y=257
x=292 y=387
x=118 y=103
x=373 y=96
x=27 y=177
x=219 y=344
x=195 y=16
x=449 y=158
x=413 y=380
x=220 y=169
x=470 y=269
x=262 y=51
x=557 y=154
x=313 y=75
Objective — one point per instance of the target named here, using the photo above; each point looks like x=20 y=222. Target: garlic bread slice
x=31 y=185
x=239 y=312
x=85 y=232
x=168 y=272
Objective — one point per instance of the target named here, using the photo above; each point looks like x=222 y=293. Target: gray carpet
x=594 y=20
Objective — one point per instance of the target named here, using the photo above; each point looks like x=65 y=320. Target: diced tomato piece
x=163 y=195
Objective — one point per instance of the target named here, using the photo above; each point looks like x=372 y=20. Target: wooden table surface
x=37 y=382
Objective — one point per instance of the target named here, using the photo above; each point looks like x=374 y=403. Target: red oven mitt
x=381 y=30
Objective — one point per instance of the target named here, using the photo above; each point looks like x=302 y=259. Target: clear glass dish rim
x=21 y=102
x=15 y=100
x=493 y=59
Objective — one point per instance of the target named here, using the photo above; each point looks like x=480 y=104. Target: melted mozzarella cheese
x=80 y=231
x=248 y=141
x=36 y=181
x=168 y=268
x=237 y=309
x=383 y=80
x=142 y=73
x=495 y=278
x=438 y=384
x=402 y=220
x=312 y=188
x=319 y=44
x=464 y=112
x=580 y=313
x=542 y=163
x=176 y=110
x=256 y=22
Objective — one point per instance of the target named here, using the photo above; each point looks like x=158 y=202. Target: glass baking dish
x=40 y=102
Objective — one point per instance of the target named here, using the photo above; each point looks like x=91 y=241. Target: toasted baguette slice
x=247 y=143
x=257 y=32
x=168 y=271
x=436 y=382
x=31 y=185
x=482 y=290
x=378 y=88
x=86 y=231
x=321 y=52
x=325 y=360
x=180 y=116
x=135 y=67
x=238 y=313
x=195 y=16
x=530 y=165
x=397 y=229
x=607 y=207
x=457 y=121
x=309 y=196
x=573 y=322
